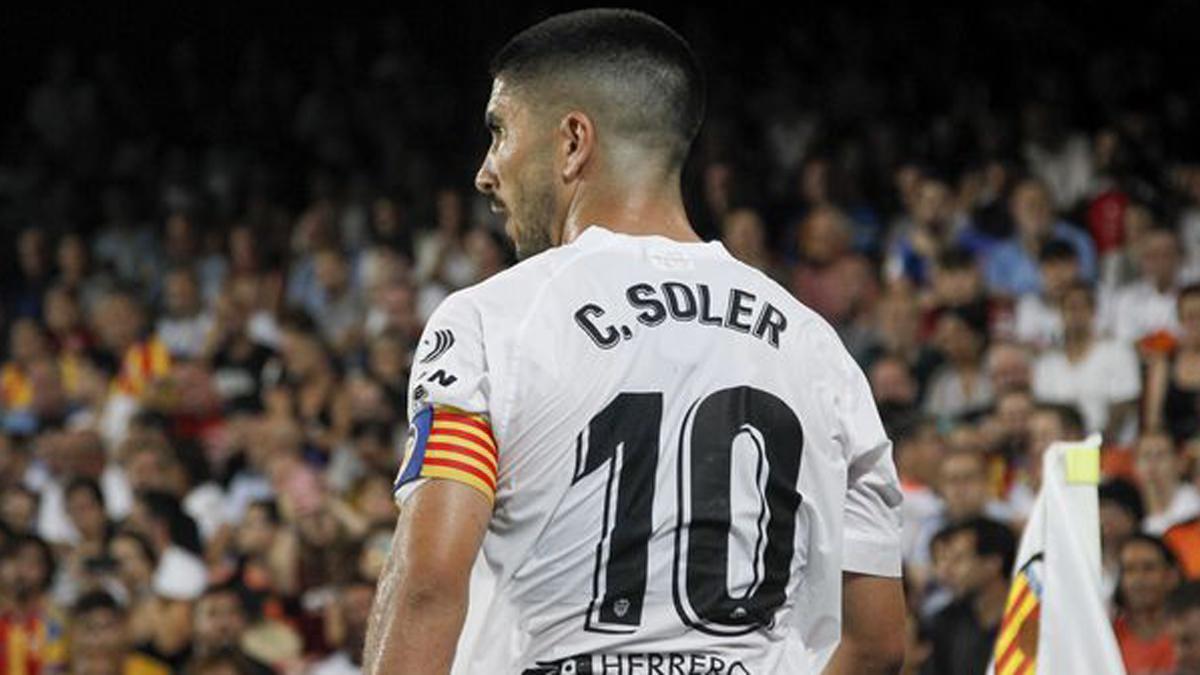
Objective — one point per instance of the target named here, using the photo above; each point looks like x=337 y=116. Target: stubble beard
x=535 y=217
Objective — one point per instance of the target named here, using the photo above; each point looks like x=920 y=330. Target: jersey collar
x=596 y=235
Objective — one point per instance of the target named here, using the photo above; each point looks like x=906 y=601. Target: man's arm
x=873 y=626
x=421 y=600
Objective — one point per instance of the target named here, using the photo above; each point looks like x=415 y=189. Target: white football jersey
x=687 y=460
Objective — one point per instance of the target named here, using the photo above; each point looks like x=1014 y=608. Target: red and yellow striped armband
x=445 y=442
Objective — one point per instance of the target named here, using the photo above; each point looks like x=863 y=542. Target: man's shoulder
x=515 y=288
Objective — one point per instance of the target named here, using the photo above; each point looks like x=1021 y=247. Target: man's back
x=674 y=438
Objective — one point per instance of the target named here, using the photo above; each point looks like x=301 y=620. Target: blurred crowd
x=214 y=290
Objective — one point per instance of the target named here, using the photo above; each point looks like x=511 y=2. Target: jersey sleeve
x=450 y=433
x=871 y=523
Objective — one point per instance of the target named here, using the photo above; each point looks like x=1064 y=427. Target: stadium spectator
x=980 y=555
x=1121 y=514
x=745 y=236
x=893 y=385
x=32 y=627
x=898 y=334
x=1048 y=424
x=337 y=305
x=442 y=263
x=185 y=325
x=490 y=252
x=101 y=643
x=1173 y=379
x=1011 y=266
x=1169 y=500
x=1148 y=576
x=924 y=234
x=1101 y=377
x=159 y=517
x=1038 y=317
x=219 y=621
x=829 y=277
x=962 y=484
x=1146 y=307
x=75 y=273
x=85 y=508
x=353 y=610
x=961 y=385
x=19 y=509
x=1183 y=611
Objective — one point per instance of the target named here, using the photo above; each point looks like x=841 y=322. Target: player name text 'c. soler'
x=735 y=309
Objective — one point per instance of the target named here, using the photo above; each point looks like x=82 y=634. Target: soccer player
x=670 y=464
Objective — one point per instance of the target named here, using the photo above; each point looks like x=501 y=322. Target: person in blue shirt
x=1011 y=267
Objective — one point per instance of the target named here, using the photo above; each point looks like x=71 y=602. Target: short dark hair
x=992 y=538
x=1069 y=417
x=957 y=258
x=645 y=69
x=1125 y=495
x=230 y=587
x=87 y=484
x=269 y=507
x=1156 y=543
x=908 y=425
x=166 y=508
x=94 y=600
x=1057 y=250
x=22 y=541
x=297 y=320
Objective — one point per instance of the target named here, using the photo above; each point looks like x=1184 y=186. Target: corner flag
x=1054 y=620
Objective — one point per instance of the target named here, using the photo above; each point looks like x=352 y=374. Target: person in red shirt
x=32 y=630
x=1149 y=573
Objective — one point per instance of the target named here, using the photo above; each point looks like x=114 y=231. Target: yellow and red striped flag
x=1016 y=646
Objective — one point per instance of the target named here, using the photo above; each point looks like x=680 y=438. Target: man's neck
x=655 y=207
x=1077 y=346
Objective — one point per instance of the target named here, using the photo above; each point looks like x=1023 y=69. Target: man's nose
x=485 y=178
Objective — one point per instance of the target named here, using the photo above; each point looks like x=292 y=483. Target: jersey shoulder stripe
x=448 y=443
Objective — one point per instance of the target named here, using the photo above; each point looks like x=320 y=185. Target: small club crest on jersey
x=621 y=607
x=443 y=340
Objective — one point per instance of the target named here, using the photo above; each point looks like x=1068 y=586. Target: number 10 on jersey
x=624 y=437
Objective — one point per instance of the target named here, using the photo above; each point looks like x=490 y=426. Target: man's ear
x=577 y=138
